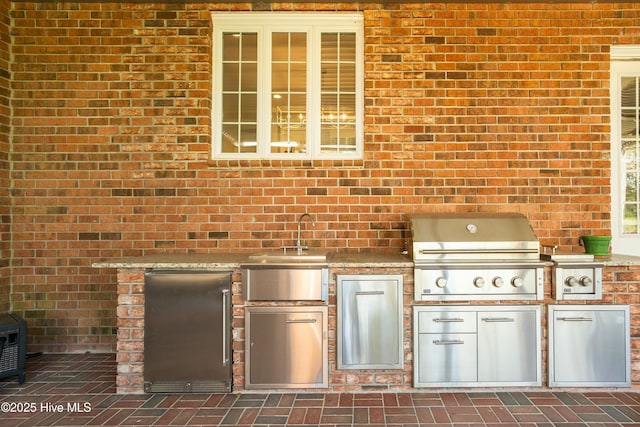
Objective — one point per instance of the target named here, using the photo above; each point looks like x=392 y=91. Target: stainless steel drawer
x=447 y=358
x=447 y=321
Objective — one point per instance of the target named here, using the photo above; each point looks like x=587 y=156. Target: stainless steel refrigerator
x=187 y=332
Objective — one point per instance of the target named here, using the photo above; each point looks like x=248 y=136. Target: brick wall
x=480 y=106
x=5 y=196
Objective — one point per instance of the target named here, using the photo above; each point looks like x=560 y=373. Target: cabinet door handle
x=225 y=313
x=498 y=319
x=575 y=319
x=448 y=320
x=370 y=293
x=447 y=342
x=301 y=321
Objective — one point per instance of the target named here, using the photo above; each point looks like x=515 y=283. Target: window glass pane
x=347 y=109
x=632 y=187
x=248 y=141
x=289 y=93
x=230 y=73
x=250 y=47
x=248 y=108
x=239 y=92
x=249 y=73
x=230 y=139
x=628 y=124
x=329 y=47
x=630 y=224
x=338 y=123
x=299 y=47
x=338 y=139
x=630 y=141
x=337 y=86
x=348 y=77
x=298 y=77
x=230 y=108
x=231 y=46
x=280 y=78
x=329 y=79
x=348 y=47
x=280 y=47
x=288 y=129
x=628 y=95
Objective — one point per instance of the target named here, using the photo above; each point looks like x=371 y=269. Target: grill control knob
x=441 y=282
x=571 y=281
x=478 y=282
x=517 y=282
x=498 y=281
x=586 y=281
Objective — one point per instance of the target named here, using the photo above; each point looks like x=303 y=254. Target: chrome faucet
x=299 y=246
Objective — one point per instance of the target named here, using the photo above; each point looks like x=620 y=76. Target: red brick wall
x=480 y=106
x=5 y=196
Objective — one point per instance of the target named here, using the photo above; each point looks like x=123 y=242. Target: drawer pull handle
x=448 y=320
x=301 y=321
x=498 y=319
x=370 y=293
x=448 y=342
x=576 y=319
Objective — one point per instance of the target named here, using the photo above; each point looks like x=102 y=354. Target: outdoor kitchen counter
x=335 y=259
x=233 y=261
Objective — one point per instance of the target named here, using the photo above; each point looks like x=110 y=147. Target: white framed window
x=625 y=149
x=287 y=86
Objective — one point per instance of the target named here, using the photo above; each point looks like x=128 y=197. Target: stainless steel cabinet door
x=286 y=347
x=509 y=346
x=589 y=346
x=446 y=359
x=370 y=332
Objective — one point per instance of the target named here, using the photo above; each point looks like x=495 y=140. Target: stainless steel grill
x=476 y=256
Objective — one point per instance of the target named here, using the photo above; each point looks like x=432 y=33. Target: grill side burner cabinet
x=575 y=276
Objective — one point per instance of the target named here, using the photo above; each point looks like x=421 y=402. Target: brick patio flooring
x=79 y=389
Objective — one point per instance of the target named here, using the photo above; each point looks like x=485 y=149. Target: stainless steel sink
x=289 y=256
x=286 y=276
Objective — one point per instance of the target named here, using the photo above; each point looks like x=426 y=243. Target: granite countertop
x=619 y=260
x=232 y=261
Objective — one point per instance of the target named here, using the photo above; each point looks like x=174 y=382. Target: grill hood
x=447 y=237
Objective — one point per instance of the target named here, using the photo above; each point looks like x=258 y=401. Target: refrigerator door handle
x=225 y=310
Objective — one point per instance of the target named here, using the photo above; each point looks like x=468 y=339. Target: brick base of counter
x=130 y=345
x=621 y=286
